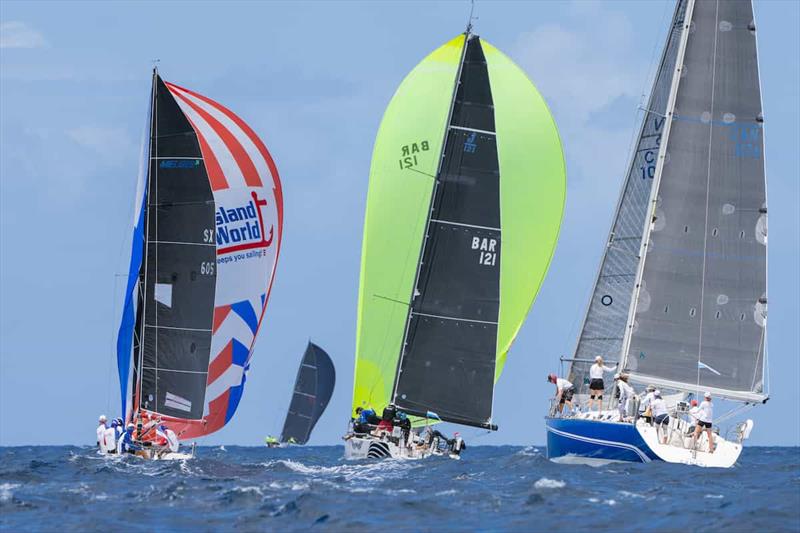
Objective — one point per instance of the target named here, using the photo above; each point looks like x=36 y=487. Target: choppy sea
x=493 y=488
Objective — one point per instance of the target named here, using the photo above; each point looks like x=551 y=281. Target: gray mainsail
x=699 y=321
x=603 y=329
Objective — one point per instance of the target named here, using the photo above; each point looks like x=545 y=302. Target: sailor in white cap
x=101 y=431
x=596 y=385
x=705 y=420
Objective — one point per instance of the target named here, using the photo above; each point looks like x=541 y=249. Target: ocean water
x=492 y=488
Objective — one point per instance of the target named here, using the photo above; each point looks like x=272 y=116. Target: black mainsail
x=313 y=388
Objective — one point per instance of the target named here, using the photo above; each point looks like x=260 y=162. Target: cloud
x=103 y=140
x=16 y=34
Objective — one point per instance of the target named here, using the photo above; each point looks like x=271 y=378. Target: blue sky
x=313 y=80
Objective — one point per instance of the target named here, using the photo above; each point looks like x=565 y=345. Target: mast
x=141 y=314
x=650 y=219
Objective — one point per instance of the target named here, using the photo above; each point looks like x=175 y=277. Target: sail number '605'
x=207 y=268
x=487 y=249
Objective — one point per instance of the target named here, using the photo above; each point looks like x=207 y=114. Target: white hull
x=359 y=448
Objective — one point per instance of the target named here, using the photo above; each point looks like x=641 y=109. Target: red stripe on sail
x=215 y=175
x=220 y=314
x=243 y=160
x=255 y=140
x=221 y=363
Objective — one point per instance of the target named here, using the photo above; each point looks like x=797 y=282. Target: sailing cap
x=102 y=418
x=598 y=358
x=114 y=423
x=694 y=403
x=657 y=393
x=707 y=395
x=651 y=388
x=130 y=425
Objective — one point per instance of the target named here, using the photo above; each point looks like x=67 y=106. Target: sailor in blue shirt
x=126 y=444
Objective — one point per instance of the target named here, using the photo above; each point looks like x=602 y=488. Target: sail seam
x=185 y=243
x=463 y=224
x=174 y=370
x=454 y=318
x=172 y=327
x=463 y=128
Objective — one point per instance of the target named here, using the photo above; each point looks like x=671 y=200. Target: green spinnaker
x=532 y=193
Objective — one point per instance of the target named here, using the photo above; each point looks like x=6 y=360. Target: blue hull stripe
x=601 y=442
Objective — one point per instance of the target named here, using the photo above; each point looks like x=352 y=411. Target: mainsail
x=697 y=306
x=313 y=388
x=700 y=320
x=206 y=241
x=467 y=156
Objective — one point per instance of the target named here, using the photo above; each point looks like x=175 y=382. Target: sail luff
x=428 y=218
x=650 y=218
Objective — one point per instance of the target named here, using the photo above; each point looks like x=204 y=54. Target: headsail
x=213 y=220
x=466 y=150
x=700 y=316
x=313 y=388
x=604 y=325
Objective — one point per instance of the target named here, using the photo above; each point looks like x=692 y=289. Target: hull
x=593 y=441
x=359 y=448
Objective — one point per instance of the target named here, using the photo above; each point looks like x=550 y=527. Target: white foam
x=627 y=494
x=449 y=492
x=545 y=483
x=6 y=491
x=714 y=496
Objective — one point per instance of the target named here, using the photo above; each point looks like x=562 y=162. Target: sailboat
x=206 y=237
x=680 y=299
x=313 y=388
x=466 y=195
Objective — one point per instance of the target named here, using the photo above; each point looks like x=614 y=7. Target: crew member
x=564 y=391
x=705 y=419
x=110 y=438
x=644 y=407
x=101 y=433
x=660 y=413
x=596 y=384
x=166 y=438
x=126 y=444
x=626 y=394
x=364 y=418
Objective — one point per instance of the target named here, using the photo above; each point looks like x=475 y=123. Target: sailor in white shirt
x=596 y=384
x=101 y=433
x=648 y=399
x=626 y=394
x=705 y=420
x=564 y=391
x=660 y=413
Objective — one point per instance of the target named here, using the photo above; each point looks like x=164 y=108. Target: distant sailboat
x=206 y=238
x=681 y=295
x=466 y=195
x=313 y=388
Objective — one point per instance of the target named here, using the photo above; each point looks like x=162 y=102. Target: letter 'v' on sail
x=466 y=195
x=206 y=239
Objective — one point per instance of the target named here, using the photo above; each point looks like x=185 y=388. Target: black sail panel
x=448 y=363
x=313 y=388
x=180 y=267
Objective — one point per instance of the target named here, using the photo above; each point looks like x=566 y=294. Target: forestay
x=700 y=317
